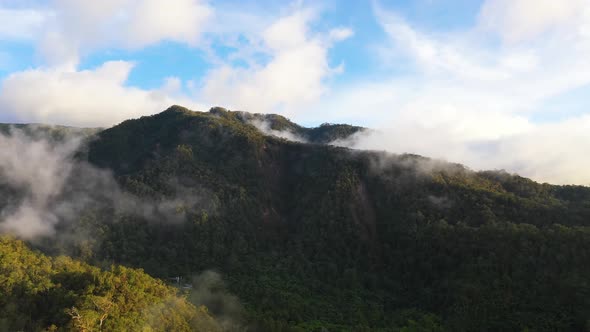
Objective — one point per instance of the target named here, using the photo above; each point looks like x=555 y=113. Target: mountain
x=314 y=237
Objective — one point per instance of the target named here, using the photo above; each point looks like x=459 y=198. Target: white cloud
x=551 y=152
x=518 y=20
x=96 y=97
x=20 y=160
x=342 y=33
x=155 y=20
x=80 y=27
x=20 y=24
x=265 y=127
x=294 y=76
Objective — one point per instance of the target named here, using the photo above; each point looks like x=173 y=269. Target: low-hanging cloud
x=45 y=185
x=41 y=171
x=265 y=127
x=550 y=152
x=209 y=289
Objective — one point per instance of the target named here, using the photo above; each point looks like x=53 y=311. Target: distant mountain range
x=310 y=236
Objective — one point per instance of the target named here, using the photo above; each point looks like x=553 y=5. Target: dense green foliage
x=313 y=237
x=56 y=294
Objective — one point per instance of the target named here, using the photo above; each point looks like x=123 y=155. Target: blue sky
x=165 y=58
x=490 y=83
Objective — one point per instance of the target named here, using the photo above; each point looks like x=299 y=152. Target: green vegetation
x=57 y=294
x=313 y=237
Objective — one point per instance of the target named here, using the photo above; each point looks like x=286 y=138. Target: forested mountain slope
x=58 y=294
x=313 y=236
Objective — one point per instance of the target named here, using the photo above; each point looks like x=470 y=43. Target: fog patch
x=45 y=189
x=440 y=202
x=38 y=171
x=209 y=289
x=265 y=127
